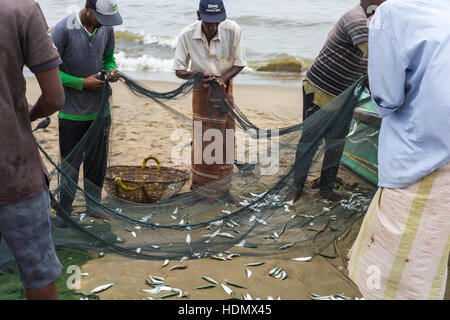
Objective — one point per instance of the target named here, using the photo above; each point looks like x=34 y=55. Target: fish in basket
x=145 y=184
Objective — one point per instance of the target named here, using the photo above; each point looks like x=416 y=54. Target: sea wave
x=143 y=63
x=279 y=22
x=282 y=63
x=277 y=64
x=142 y=38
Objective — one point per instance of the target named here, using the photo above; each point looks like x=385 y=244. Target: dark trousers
x=93 y=153
x=334 y=147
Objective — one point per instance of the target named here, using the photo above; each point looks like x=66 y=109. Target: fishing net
x=179 y=222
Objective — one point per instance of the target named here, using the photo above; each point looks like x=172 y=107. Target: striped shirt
x=341 y=62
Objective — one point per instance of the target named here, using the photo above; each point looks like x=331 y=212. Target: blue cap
x=212 y=11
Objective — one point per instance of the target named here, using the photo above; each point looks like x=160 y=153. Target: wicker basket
x=144 y=184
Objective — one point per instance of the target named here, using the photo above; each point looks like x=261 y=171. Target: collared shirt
x=409 y=68
x=216 y=58
x=24 y=41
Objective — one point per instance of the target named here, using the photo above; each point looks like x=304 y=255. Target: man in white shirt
x=213 y=46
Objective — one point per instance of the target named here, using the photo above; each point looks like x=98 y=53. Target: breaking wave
x=146 y=39
x=279 y=64
x=143 y=63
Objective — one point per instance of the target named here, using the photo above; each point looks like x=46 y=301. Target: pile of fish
x=357 y=202
x=158 y=285
x=278 y=273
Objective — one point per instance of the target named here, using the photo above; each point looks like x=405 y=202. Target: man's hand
x=221 y=81
x=92 y=83
x=113 y=76
x=206 y=79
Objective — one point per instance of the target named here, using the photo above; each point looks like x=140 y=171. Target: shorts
x=25 y=226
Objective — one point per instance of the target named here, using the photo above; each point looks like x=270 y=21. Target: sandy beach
x=141 y=128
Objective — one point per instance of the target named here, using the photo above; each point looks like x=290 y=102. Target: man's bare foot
x=331 y=195
x=293 y=195
x=229 y=197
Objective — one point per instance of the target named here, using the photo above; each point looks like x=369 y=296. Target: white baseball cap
x=106 y=12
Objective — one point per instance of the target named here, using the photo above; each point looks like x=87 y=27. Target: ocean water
x=281 y=37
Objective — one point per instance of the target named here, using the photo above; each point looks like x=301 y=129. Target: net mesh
x=187 y=223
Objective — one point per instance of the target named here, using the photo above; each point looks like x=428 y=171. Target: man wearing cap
x=85 y=41
x=213 y=46
x=341 y=62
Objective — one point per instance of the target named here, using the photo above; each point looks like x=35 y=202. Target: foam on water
x=280 y=37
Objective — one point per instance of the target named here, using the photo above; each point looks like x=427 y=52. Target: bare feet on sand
x=229 y=197
x=293 y=195
x=331 y=195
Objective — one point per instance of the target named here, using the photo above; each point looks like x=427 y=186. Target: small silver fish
x=154 y=246
x=210 y=280
x=226 y=235
x=214 y=234
x=248 y=272
x=240 y=244
x=188 y=239
x=255 y=264
x=272 y=272
x=247 y=296
x=287 y=246
x=235 y=284
x=156 y=278
x=166 y=262
x=102 y=288
x=217 y=223
x=277 y=273
x=304 y=259
x=261 y=221
x=230 y=225
x=234 y=223
x=216 y=257
x=232 y=255
x=283 y=229
x=227 y=290
x=178 y=267
x=208 y=286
